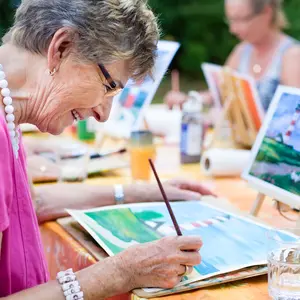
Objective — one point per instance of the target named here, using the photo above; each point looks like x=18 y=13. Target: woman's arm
x=51 y=200
x=99 y=281
x=96 y=283
x=157 y=264
x=233 y=60
x=290 y=74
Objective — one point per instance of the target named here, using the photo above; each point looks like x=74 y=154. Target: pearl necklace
x=9 y=110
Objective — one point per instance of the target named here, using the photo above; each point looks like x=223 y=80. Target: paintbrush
x=176 y=226
x=99 y=155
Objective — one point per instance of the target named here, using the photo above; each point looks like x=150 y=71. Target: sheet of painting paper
x=230 y=242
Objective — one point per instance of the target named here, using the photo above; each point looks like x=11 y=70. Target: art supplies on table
x=231 y=243
x=219 y=162
x=99 y=163
x=95 y=154
x=274 y=165
x=108 y=163
x=129 y=106
x=192 y=129
x=86 y=129
x=73 y=160
x=142 y=148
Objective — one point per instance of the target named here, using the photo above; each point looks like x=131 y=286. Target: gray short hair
x=279 y=18
x=107 y=30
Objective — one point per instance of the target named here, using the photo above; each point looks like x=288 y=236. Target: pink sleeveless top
x=22 y=262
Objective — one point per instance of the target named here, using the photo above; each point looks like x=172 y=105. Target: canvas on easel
x=240 y=106
x=248 y=109
x=274 y=167
x=231 y=106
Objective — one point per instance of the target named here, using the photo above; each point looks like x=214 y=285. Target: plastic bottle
x=192 y=129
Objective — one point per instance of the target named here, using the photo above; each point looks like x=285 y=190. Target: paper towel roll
x=224 y=162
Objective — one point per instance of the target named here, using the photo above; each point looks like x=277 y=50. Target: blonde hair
x=107 y=30
x=279 y=17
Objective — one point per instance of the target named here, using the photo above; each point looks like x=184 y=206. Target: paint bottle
x=86 y=129
x=192 y=129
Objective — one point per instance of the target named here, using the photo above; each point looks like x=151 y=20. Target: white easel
x=258 y=204
x=235 y=109
x=229 y=98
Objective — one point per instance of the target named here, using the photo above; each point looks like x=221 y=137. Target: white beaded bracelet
x=119 y=194
x=70 y=285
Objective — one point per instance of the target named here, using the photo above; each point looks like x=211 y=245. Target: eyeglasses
x=111 y=87
x=242 y=20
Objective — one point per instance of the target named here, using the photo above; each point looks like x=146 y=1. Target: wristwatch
x=119 y=194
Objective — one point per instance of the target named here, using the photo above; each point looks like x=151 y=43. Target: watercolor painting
x=277 y=153
x=230 y=242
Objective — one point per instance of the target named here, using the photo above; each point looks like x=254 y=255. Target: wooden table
x=63 y=251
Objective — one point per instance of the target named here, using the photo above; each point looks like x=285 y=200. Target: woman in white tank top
x=264 y=52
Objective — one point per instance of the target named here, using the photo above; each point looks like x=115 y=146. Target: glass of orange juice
x=141 y=149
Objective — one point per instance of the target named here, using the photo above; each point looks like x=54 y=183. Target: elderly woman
x=265 y=52
x=62 y=61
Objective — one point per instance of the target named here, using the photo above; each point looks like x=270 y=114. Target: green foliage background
x=197 y=24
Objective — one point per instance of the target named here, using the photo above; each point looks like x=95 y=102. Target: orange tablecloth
x=63 y=251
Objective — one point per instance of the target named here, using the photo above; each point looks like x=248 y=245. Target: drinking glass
x=284 y=264
x=141 y=149
x=73 y=160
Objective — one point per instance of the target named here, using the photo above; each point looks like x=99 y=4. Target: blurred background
x=200 y=27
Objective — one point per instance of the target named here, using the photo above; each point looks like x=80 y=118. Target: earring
x=51 y=73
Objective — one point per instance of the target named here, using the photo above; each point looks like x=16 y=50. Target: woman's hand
x=176 y=189
x=175 y=98
x=191 y=187
x=160 y=264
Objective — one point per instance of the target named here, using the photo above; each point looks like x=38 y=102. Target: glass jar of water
x=284 y=266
